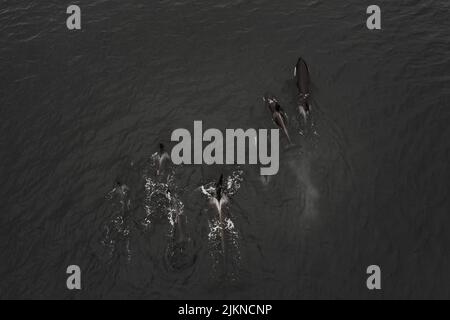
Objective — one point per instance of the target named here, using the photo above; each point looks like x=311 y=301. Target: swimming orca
x=278 y=115
x=302 y=79
x=180 y=238
x=179 y=253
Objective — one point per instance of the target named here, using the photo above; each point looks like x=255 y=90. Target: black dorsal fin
x=219 y=188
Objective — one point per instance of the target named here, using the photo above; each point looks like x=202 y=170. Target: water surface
x=82 y=109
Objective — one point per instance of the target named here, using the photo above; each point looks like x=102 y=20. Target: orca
x=278 y=115
x=303 y=82
x=301 y=74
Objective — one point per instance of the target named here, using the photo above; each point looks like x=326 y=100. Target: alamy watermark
x=74 y=280
x=374 y=20
x=73 y=22
x=374 y=280
x=238 y=145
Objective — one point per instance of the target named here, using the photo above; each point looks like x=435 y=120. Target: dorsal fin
x=220 y=182
x=219 y=188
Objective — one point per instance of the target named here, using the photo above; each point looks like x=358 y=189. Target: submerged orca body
x=179 y=254
x=278 y=115
x=303 y=82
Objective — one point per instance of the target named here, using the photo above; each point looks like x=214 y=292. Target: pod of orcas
x=302 y=81
x=279 y=117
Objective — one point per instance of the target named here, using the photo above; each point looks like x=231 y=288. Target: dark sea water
x=368 y=185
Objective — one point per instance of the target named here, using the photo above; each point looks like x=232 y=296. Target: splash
x=162 y=205
x=117 y=230
x=223 y=236
x=161 y=201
